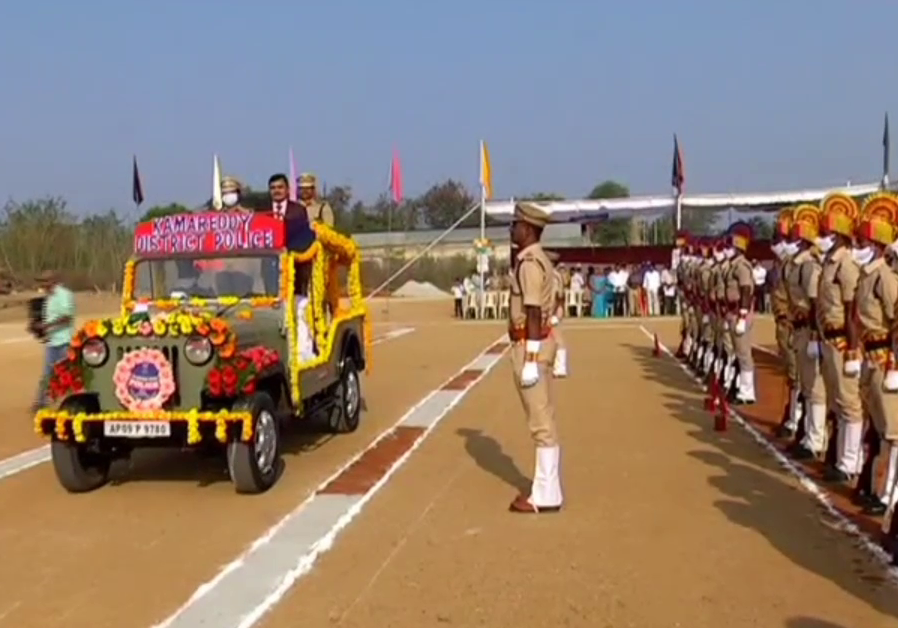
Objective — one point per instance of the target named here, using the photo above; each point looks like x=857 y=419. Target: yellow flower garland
x=194 y=418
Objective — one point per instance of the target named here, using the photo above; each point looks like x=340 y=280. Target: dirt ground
x=666 y=522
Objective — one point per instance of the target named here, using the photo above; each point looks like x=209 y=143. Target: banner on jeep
x=207 y=233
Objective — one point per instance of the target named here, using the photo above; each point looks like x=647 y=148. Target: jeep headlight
x=198 y=350
x=94 y=352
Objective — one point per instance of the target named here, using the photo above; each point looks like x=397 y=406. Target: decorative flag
x=885 y=153
x=677 y=176
x=486 y=173
x=136 y=187
x=293 y=182
x=396 y=178
x=216 y=183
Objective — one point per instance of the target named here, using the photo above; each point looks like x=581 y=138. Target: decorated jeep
x=229 y=327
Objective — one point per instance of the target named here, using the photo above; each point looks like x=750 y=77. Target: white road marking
x=31 y=458
x=842 y=522
x=251 y=585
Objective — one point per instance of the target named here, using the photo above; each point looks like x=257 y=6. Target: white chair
x=472 y=307
x=573 y=301
x=490 y=305
x=504 y=303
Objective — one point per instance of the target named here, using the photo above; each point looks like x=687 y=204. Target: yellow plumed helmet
x=806 y=223
x=879 y=216
x=839 y=214
x=784 y=221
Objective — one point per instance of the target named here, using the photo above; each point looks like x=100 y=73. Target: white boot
x=850 y=446
x=746 y=391
x=815 y=428
x=891 y=475
x=687 y=344
x=546 y=489
x=796 y=410
x=559 y=369
x=729 y=373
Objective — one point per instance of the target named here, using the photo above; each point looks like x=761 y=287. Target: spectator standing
x=669 y=292
x=58 y=328
x=759 y=274
x=587 y=289
x=651 y=283
x=577 y=285
x=458 y=295
x=618 y=280
x=634 y=292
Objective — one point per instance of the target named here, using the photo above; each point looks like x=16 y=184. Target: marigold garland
x=222 y=418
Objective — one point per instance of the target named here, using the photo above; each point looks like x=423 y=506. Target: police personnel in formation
x=705 y=353
x=318 y=210
x=532 y=304
x=740 y=286
x=722 y=348
x=802 y=282
x=837 y=333
x=682 y=260
x=559 y=367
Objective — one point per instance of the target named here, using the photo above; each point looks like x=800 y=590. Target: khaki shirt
x=877 y=293
x=779 y=294
x=838 y=285
x=720 y=285
x=705 y=280
x=802 y=279
x=532 y=284
x=739 y=276
x=320 y=212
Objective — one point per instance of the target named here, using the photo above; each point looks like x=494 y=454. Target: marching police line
x=834 y=301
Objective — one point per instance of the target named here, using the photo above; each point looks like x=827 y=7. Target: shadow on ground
x=488 y=454
x=760 y=495
x=810 y=622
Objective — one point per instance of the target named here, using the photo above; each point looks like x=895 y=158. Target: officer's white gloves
x=813 y=350
x=530 y=372
x=554 y=320
x=890 y=383
x=741 y=324
x=852 y=367
x=705 y=319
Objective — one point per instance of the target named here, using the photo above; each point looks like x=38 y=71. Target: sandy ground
x=666 y=523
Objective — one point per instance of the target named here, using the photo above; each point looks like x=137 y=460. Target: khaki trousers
x=537 y=399
x=809 y=377
x=741 y=344
x=786 y=351
x=724 y=336
x=882 y=406
x=843 y=391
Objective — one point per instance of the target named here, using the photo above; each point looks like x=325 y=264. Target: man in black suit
x=281 y=205
x=298 y=233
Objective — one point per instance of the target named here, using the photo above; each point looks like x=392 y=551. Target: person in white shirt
x=578 y=284
x=668 y=292
x=618 y=280
x=458 y=294
x=759 y=274
x=651 y=283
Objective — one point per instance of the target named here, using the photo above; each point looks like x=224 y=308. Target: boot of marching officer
x=740 y=287
x=877 y=293
x=836 y=326
x=803 y=282
x=779 y=301
x=559 y=367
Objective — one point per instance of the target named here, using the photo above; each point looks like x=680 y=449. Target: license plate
x=137 y=429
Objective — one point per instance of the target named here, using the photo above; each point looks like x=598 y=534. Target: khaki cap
x=531 y=213
x=307 y=180
x=230 y=184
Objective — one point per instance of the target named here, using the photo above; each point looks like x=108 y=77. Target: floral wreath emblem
x=144 y=380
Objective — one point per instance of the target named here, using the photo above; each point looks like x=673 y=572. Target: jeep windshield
x=245 y=276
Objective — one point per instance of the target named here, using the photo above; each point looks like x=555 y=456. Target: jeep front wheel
x=254 y=465
x=78 y=468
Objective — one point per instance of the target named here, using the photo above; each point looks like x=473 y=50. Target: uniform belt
x=800 y=323
x=875 y=345
x=519 y=334
x=832 y=334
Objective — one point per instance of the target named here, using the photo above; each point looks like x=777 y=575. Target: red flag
x=396 y=178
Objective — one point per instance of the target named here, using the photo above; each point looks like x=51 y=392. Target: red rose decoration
x=249 y=387
x=213 y=380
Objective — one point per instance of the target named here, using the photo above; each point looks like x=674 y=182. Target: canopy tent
x=587 y=210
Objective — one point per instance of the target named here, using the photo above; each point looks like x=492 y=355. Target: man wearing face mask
x=877 y=293
x=723 y=347
x=803 y=280
x=841 y=364
x=703 y=297
x=779 y=301
x=231 y=191
x=740 y=285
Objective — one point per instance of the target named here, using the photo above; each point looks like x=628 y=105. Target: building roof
x=553 y=235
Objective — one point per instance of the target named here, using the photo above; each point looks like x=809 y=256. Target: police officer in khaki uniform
x=532 y=304
x=231 y=195
x=802 y=282
x=680 y=259
x=723 y=346
x=559 y=367
x=841 y=362
x=705 y=287
x=318 y=210
x=779 y=301
x=740 y=288
x=685 y=267
x=876 y=296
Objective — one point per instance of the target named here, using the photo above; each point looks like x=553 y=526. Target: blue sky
x=764 y=95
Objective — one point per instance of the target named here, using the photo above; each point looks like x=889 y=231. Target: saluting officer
x=841 y=364
x=779 y=301
x=318 y=210
x=740 y=288
x=531 y=306
x=802 y=281
x=559 y=367
x=877 y=294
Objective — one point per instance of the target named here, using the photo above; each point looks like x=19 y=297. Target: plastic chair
x=490 y=304
x=504 y=303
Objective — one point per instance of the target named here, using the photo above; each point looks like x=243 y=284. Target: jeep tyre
x=344 y=417
x=78 y=468
x=254 y=466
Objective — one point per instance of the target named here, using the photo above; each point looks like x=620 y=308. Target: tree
x=762 y=228
x=158 y=211
x=444 y=203
x=611 y=231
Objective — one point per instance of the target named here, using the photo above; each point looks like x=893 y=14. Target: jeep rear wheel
x=254 y=465
x=78 y=468
x=344 y=417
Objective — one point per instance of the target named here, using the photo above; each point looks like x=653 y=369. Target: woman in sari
x=601 y=294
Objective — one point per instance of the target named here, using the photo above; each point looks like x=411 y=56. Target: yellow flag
x=486 y=173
